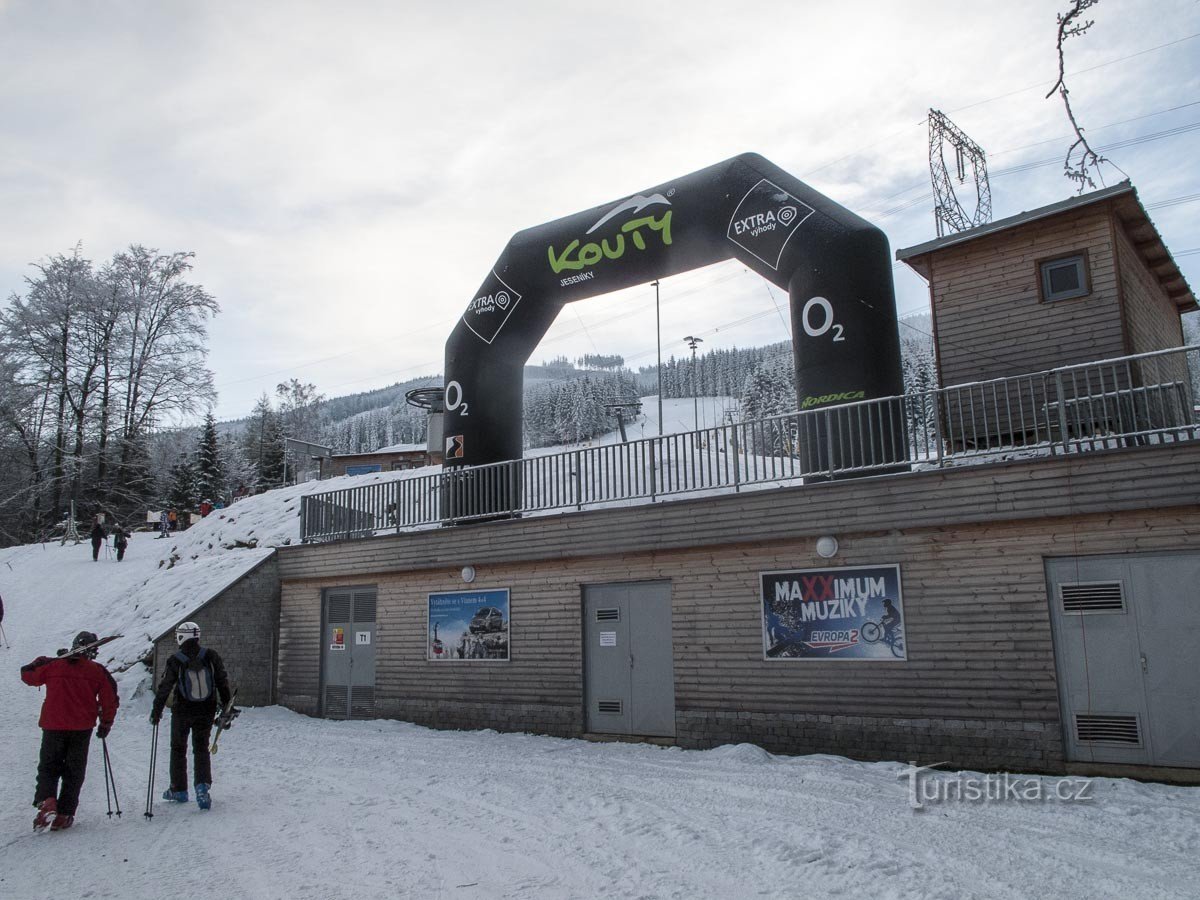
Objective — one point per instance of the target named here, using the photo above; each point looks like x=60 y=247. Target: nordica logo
x=582 y=253
x=826 y=399
x=490 y=309
x=765 y=220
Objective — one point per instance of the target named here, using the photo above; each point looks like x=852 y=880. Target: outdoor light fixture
x=468 y=572
x=827 y=546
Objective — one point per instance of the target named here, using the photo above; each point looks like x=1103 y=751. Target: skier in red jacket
x=77 y=690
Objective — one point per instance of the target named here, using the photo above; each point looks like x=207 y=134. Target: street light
x=692 y=342
x=658 y=341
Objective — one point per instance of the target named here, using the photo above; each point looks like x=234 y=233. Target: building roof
x=1128 y=209
x=394 y=450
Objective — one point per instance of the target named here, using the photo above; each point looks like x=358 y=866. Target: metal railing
x=1144 y=399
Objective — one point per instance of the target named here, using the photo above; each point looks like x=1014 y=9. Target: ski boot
x=47 y=809
x=61 y=822
x=175 y=796
x=203 y=799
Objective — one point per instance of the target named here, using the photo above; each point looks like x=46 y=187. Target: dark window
x=1065 y=278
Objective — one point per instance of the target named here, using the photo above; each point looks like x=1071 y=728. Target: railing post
x=1062 y=411
x=737 y=462
x=304 y=519
x=578 y=482
x=653 y=469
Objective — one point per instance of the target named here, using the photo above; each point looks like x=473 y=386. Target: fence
x=1144 y=399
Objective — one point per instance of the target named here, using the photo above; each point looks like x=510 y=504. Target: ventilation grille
x=362 y=702
x=1095 y=729
x=337 y=608
x=609 y=706
x=335 y=701
x=608 y=615
x=364 y=607
x=1093 y=597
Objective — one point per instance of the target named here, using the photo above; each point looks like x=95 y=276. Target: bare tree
x=1080 y=156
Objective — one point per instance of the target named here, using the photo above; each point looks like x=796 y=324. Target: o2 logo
x=817 y=306
x=455 y=400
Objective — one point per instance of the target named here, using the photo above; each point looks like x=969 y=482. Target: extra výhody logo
x=765 y=220
x=491 y=308
x=608 y=239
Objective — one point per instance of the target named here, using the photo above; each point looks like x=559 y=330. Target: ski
x=88 y=648
x=228 y=714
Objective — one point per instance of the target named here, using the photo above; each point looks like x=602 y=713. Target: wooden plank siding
x=1099 y=481
x=990 y=321
x=1152 y=317
x=971 y=544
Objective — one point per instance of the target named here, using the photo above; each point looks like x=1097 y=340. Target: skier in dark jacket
x=98 y=535
x=197 y=673
x=76 y=689
x=120 y=541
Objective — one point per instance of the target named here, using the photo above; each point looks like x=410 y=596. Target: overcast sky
x=347 y=173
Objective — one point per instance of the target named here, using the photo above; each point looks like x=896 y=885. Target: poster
x=467 y=626
x=848 y=612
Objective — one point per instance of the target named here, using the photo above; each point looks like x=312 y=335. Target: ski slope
x=309 y=808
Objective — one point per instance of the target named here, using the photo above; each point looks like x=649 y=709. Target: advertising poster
x=849 y=612
x=465 y=626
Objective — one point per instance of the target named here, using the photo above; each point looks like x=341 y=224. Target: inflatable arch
x=835 y=266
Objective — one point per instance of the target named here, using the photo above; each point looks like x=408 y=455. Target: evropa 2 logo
x=611 y=243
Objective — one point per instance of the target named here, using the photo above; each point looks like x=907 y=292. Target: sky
x=347 y=174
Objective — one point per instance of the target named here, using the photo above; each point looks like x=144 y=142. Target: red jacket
x=77 y=690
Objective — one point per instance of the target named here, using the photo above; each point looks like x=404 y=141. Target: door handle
x=1145 y=665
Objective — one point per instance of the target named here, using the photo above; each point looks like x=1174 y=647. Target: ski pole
x=107 y=795
x=5 y=635
x=149 y=813
x=111 y=777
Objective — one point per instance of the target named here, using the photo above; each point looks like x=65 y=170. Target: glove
x=103 y=730
x=155 y=717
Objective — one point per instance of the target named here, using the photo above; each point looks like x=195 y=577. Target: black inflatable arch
x=835 y=266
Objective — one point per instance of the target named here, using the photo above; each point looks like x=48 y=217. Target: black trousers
x=64 y=757
x=199 y=727
x=120 y=552
x=96 y=549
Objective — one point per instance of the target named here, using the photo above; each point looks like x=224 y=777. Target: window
x=1065 y=277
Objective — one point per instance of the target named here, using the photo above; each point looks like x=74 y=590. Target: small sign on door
x=362 y=637
x=339 y=639
x=608 y=639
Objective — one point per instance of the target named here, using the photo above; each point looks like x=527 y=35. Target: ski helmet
x=186 y=632
x=82 y=640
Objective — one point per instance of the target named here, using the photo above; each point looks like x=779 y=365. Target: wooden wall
x=971 y=544
x=989 y=317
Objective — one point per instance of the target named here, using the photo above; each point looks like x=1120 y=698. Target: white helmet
x=186 y=632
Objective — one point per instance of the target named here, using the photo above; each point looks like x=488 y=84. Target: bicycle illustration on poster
x=848 y=612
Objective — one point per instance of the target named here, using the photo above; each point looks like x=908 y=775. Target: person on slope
x=98 y=535
x=76 y=688
x=120 y=541
x=195 y=675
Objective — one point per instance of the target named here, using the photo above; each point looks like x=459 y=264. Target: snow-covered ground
x=309 y=808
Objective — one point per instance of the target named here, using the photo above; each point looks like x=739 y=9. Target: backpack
x=195 y=676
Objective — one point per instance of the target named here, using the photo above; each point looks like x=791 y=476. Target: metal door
x=629 y=680
x=348 y=653
x=1125 y=630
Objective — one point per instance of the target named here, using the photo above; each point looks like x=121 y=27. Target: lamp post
x=692 y=342
x=658 y=342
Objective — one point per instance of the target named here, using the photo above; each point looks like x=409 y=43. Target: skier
x=76 y=686
x=164 y=523
x=120 y=541
x=98 y=535
x=196 y=675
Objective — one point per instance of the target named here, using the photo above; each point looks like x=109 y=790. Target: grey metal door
x=1126 y=631
x=348 y=653
x=629 y=679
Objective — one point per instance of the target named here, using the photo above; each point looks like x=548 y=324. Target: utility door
x=629 y=677
x=1126 y=630
x=348 y=653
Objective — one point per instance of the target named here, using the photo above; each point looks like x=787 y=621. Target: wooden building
x=385 y=459
x=1037 y=612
